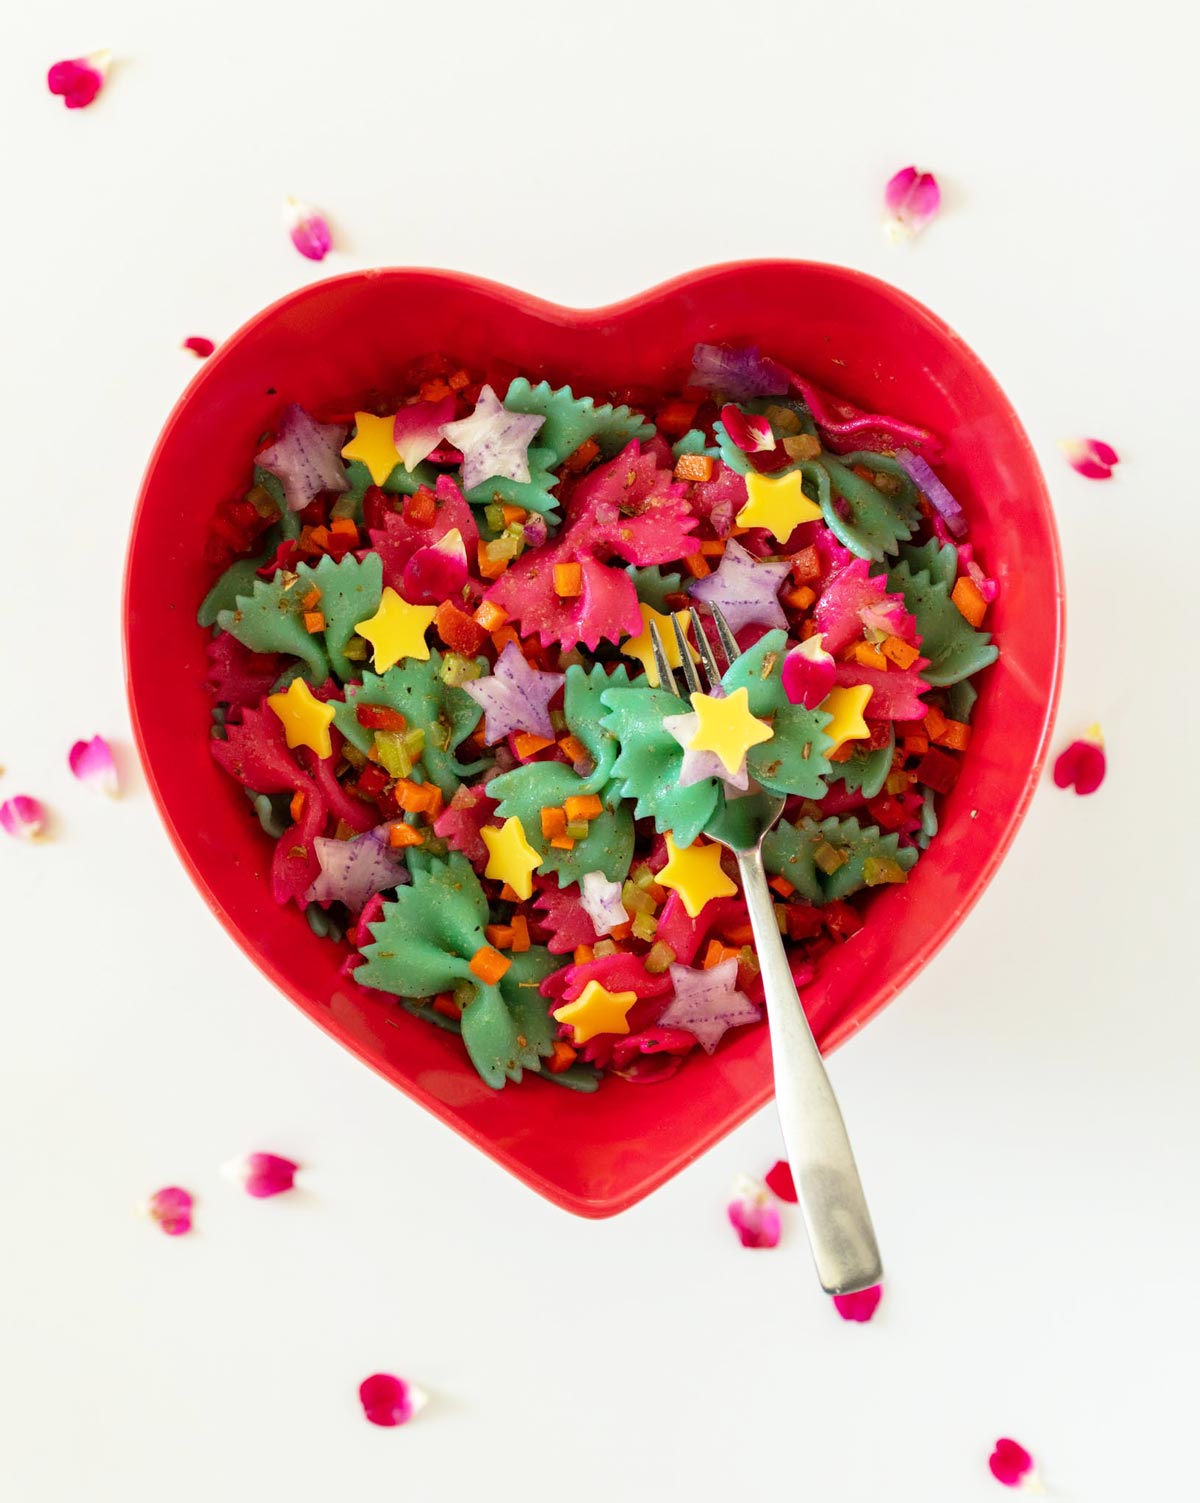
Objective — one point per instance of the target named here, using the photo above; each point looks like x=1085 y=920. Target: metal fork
x=827 y=1182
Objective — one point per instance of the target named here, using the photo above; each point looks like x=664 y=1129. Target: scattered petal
x=1083 y=764
x=262 y=1174
x=172 y=1209
x=417 y=429
x=780 y=1182
x=200 y=347
x=859 y=1306
x=934 y=491
x=601 y=901
x=79 y=79
x=745 y=590
x=390 y=1401
x=912 y=198
x=749 y=431
x=753 y=1215
x=707 y=1004
x=92 y=763
x=1090 y=457
x=22 y=817
x=309 y=230
x=493 y=441
x=808 y=673
x=437 y=572
x=1010 y=1463
x=306 y=457
x=515 y=696
x=737 y=374
x=354 y=870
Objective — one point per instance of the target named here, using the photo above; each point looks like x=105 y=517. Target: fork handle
x=827 y=1183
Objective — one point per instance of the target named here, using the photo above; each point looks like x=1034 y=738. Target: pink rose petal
x=912 y=198
x=262 y=1174
x=390 y=1401
x=751 y=433
x=92 y=763
x=753 y=1215
x=808 y=673
x=417 y=429
x=78 y=80
x=172 y=1209
x=309 y=230
x=1090 y=457
x=780 y=1182
x=437 y=572
x=200 y=347
x=22 y=817
x=1010 y=1463
x=859 y=1306
x=1083 y=764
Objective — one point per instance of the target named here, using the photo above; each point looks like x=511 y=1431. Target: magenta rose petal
x=750 y=432
x=199 y=346
x=911 y=198
x=1090 y=457
x=417 y=430
x=1082 y=766
x=389 y=1401
x=78 y=80
x=1011 y=1464
x=92 y=763
x=262 y=1174
x=171 y=1208
x=23 y=817
x=753 y=1214
x=808 y=673
x=780 y=1182
x=308 y=229
x=859 y=1306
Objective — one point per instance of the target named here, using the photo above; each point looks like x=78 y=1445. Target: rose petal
x=389 y=1401
x=200 y=347
x=309 y=230
x=1090 y=457
x=753 y=1215
x=1010 y=1463
x=262 y=1174
x=751 y=433
x=22 y=817
x=78 y=80
x=416 y=430
x=912 y=198
x=859 y=1306
x=1083 y=764
x=808 y=673
x=92 y=763
x=172 y=1209
x=437 y=572
x=780 y=1182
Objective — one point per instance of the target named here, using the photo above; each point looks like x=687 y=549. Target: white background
x=1024 y=1116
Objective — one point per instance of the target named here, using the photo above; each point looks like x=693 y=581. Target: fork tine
x=690 y=676
x=711 y=672
x=732 y=650
x=666 y=679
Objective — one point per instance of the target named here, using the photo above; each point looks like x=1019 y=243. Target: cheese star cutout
x=306 y=720
x=779 y=505
x=727 y=727
x=846 y=705
x=374 y=444
x=397 y=630
x=640 y=647
x=596 y=1010
x=511 y=858
x=695 y=874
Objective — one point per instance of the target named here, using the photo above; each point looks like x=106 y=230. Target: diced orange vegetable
x=935 y=722
x=528 y=745
x=899 y=782
x=490 y=616
x=563 y=843
x=320 y=537
x=806 y=565
x=582 y=954
x=843 y=753
x=712 y=954
x=418 y=798
x=697 y=565
x=489 y=568
x=344 y=527
x=584 y=806
x=800 y=598
x=582 y=457
x=460 y=632
x=694 y=467
x=312 y=599
x=562 y=1058
x=421 y=508
x=489 y=965
x=458 y=380
x=676 y=417
x=554 y=822
x=520 y=934
x=712 y=548
x=296 y=807
x=956 y=735
x=781 y=885
x=808 y=629
x=501 y=638
x=445 y=1004
x=508 y=895
x=739 y=934
x=314 y=621
x=401 y=835
x=511 y=513
x=867 y=656
x=902 y=653
x=915 y=746
x=969 y=601
x=573 y=748
x=434 y=391
x=500 y=935
x=568 y=580
x=621 y=931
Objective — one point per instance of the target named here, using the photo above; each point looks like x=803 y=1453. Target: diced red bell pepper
x=888 y=812
x=841 y=919
x=938 y=770
x=380 y=718
x=372 y=780
x=420 y=509
x=460 y=632
x=803 y=922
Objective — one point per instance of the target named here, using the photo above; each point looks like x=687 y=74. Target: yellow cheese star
x=511 y=858
x=846 y=706
x=596 y=1010
x=727 y=727
x=397 y=630
x=695 y=874
x=640 y=647
x=779 y=505
x=306 y=720
x=374 y=445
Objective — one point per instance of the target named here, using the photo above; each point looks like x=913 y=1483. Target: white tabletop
x=1024 y=1115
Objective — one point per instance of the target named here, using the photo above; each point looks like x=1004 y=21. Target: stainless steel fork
x=827 y=1182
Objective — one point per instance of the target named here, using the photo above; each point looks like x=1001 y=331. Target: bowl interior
x=331 y=344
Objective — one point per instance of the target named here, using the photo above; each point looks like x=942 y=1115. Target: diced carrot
x=915 y=746
x=554 y=822
x=458 y=380
x=568 y=580
x=508 y=895
x=500 y=935
x=739 y=934
x=489 y=568
x=694 y=467
x=511 y=513
x=583 y=806
x=344 y=527
x=562 y=1058
x=712 y=548
x=312 y=599
x=798 y=599
x=490 y=616
x=902 y=653
x=320 y=537
x=573 y=748
x=867 y=656
x=713 y=955
x=434 y=799
x=582 y=457
x=843 y=753
x=520 y=934
x=501 y=638
x=808 y=629
x=445 y=1004
x=563 y=843
x=582 y=954
x=409 y=795
x=489 y=965
x=401 y=835
x=935 y=722
x=460 y=632
x=969 y=601
x=434 y=391
x=806 y=565
x=296 y=807
x=421 y=508
x=314 y=621
x=956 y=735
x=528 y=745
x=676 y=417
x=781 y=885
x=697 y=565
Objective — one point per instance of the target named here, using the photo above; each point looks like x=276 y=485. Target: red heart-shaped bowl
x=327 y=346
